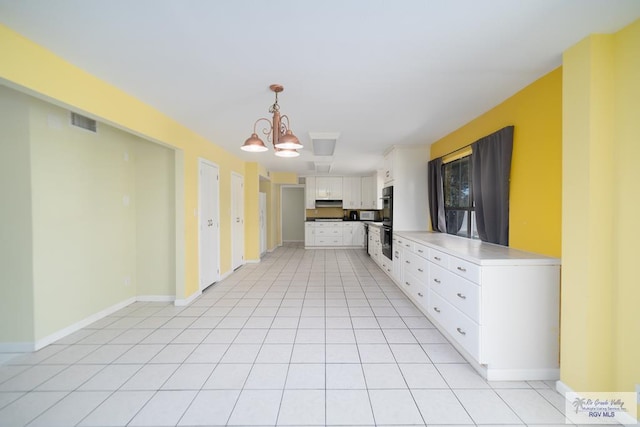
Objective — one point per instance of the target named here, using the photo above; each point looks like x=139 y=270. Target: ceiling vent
x=324 y=143
x=83 y=122
x=323 y=167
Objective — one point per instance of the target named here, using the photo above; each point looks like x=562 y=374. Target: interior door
x=237 y=220
x=209 y=221
x=263 y=223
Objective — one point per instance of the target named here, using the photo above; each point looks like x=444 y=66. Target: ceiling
x=378 y=72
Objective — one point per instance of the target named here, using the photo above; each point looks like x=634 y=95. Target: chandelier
x=278 y=132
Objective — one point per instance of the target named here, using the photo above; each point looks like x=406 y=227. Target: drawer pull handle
x=407 y=283
x=437 y=281
x=461 y=296
x=421 y=270
x=420 y=250
x=436 y=309
x=437 y=258
x=462 y=269
x=420 y=294
x=407 y=246
x=461 y=332
x=408 y=262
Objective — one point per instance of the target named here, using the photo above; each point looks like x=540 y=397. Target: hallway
x=306 y=337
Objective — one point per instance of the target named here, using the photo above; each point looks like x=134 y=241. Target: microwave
x=367 y=215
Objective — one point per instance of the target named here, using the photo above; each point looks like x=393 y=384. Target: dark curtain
x=436 y=196
x=455 y=219
x=491 y=162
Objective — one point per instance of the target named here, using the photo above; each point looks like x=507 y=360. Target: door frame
x=201 y=162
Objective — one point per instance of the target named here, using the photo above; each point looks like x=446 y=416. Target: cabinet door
x=351 y=192
x=358 y=234
x=309 y=235
x=322 y=187
x=388 y=166
x=310 y=192
x=335 y=187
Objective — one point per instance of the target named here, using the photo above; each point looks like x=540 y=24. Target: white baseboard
x=16 y=347
x=81 y=324
x=225 y=275
x=624 y=418
x=186 y=301
x=155 y=298
x=252 y=261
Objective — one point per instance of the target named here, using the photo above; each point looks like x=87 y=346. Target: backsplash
x=333 y=212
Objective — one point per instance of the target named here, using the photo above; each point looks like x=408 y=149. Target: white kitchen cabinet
x=498 y=306
x=358 y=234
x=409 y=179
x=329 y=187
x=336 y=234
x=310 y=192
x=371 y=192
x=389 y=159
x=352 y=192
x=398 y=258
x=309 y=234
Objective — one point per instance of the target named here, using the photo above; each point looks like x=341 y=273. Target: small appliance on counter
x=367 y=215
x=353 y=215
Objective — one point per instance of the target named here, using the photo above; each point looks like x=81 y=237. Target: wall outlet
x=125 y=156
x=127 y=281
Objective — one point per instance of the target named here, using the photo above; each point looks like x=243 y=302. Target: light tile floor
x=306 y=337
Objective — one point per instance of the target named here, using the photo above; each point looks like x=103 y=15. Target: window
x=458 y=198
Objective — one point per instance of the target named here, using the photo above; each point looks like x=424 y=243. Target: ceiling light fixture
x=278 y=132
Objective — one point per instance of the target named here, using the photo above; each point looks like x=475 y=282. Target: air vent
x=84 y=122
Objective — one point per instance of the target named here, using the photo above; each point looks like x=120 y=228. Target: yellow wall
x=600 y=293
x=22 y=66
x=536 y=167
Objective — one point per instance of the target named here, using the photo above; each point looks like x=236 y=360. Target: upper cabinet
x=371 y=192
x=328 y=188
x=389 y=160
x=408 y=172
x=351 y=192
x=310 y=192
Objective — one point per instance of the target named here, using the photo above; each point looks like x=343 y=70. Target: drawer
x=439 y=258
x=421 y=250
x=464 y=295
x=465 y=269
x=328 y=240
x=416 y=266
x=438 y=277
x=462 y=329
x=329 y=232
x=415 y=287
x=407 y=244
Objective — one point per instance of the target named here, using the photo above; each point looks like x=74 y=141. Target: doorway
x=292 y=213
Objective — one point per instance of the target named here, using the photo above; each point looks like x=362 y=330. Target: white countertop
x=476 y=251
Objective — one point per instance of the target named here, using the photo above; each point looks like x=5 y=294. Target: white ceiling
x=379 y=72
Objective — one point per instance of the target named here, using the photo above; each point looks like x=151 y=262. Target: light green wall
x=155 y=219
x=84 y=232
x=90 y=219
x=16 y=269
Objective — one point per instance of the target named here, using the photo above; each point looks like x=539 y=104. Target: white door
x=237 y=220
x=209 y=231
x=263 y=223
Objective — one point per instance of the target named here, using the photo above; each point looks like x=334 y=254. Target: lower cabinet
x=498 y=306
x=334 y=234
